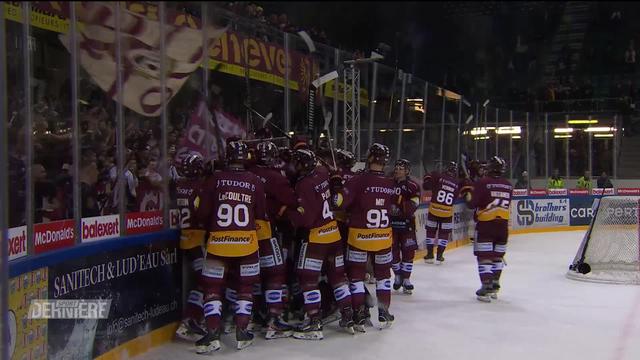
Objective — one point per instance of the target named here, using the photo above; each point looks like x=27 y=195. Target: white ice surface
x=540 y=315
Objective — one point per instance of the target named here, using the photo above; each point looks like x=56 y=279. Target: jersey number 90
x=237 y=215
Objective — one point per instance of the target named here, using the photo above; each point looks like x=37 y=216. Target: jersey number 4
x=228 y=214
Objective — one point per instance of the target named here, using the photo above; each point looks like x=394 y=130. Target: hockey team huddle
x=279 y=235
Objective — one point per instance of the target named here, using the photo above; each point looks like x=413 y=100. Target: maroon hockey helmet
x=192 y=166
x=266 y=153
x=237 y=151
x=452 y=169
x=304 y=160
x=345 y=159
x=496 y=166
x=379 y=154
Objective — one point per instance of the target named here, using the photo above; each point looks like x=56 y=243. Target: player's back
x=368 y=198
x=232 y=201
x=445 y=189
x=187 y=201
x=314 y=195
x=491 y=199
x=277 y=189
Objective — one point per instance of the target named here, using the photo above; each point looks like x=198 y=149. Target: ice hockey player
x=367 y=198
x=491 y=198
x=279 y=196
x=403 y=224
x=322 y=245
x=445 y=189
x=188 y=187
x=232 y=211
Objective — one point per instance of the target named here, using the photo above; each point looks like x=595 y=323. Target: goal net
x=610 y=250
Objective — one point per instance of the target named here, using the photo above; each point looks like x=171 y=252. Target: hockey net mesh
x=612 y=249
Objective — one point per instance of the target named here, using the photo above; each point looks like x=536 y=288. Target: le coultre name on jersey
x=235 y=196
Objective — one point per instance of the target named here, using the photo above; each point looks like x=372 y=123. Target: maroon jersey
x=444 y=191
x=232 y=209
x=314 y=211
x=409 y=201
x=368 y=198
x=278 y=191
x=187 y=200
x=491 y=199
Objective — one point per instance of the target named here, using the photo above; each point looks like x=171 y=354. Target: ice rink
x=540 y=315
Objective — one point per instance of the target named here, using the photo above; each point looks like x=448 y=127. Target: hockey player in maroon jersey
x=445 y=189
x=403 y=224
x=233 y=212
x=368 y=198
x=191 y=242
x=279 y=195
x=322 y=246
x=491 y=199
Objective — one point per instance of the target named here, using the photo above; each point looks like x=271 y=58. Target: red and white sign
x=17 y=242
x=537 y=192
x=578 y=192
x=557 y=192
x=607 y=191
x=100 y=227
x=520 y=192
x=53 y=235
x=629 y=191
x=174 y=218
x=144 y=222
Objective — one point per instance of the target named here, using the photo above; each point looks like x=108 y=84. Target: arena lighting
x=481 y=138
x=383 y=130
x=516 y=137
x=509 y=130
x=579 y=122
x=603 y=135
x=408 y=130
x=562 y=136
x=291 y=133
x=599 y=129
x=322 y=135
x=563 y=130
x=414 y=100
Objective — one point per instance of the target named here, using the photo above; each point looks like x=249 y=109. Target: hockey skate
x=276 y=328
x=229 y=324
x=257 y=323
x=360 y=319
x=370 y=279
x=310 y=329
x=484 y=293
x=407 y=287
x=346 y=320
x=428 y=259
x=244 y=337
x=209 y=343
x=333 y=317
x=385 y=318
x=397 y=282
x=190 y=330
x=494 y=290
x=439 y=260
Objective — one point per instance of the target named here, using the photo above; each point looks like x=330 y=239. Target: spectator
x=584 y=182
x=523 y=181
x=555 y=182
x=630 y=58
x=43 y=194
x=604 y=182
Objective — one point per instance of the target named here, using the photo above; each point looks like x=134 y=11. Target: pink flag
x=198 y=138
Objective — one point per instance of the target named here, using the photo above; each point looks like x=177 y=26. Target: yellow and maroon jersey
x=408 y=203
x=232 y=209
x=369 y=198
x=278 y=191
x=188 y=200
x=314 y=208
x=444 y=191
x=491 y=199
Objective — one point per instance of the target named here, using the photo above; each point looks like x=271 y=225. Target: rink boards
x=142 y=274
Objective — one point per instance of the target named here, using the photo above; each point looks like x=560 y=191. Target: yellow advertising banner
x=27 y=338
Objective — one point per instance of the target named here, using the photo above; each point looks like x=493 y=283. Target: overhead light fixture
x=562 y=136
x=563 y=130
x=509 y=130
x=582 y=122
x=291 y=133
x=603 y=135
x=414 y=100
x=516 y=137
x=481 y=138
x=322 y=135
x=599 y=129
x=408 y=130
x=383 y=130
